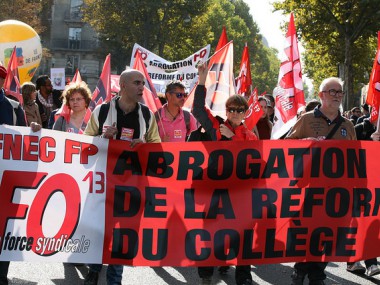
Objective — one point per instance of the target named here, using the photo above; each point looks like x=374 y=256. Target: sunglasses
x=236 y=110
x=180 y=95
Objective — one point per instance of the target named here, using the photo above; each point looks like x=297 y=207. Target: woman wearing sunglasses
x=236 y=107
x=230 y=129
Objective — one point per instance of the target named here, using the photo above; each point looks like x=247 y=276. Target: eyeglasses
x=180 y=95
x=333 y=92
x=75 y=99
x=236 y=110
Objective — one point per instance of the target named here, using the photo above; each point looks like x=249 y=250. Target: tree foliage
x=36 y=16
x=338 y=37
x=160 y=26
x=27 y=11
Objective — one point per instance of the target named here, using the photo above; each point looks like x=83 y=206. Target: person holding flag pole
x=230 y=129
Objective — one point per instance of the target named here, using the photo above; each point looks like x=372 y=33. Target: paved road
x=66 y=274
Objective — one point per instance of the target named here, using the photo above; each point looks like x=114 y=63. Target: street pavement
x=27 y=273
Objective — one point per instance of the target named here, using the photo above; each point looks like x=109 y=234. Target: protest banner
x=162 y=71
x=92 y=200
x=52 y=195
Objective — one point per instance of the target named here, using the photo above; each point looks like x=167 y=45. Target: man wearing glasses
x=175 y=124
x=45 y=99
x=319 y=124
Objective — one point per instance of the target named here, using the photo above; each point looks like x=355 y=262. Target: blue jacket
x=11 y=112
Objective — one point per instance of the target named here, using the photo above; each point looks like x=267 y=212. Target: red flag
x=12 y=81
x=77 y=77
x=86 y=118
x=373 y=94
x=289 y=92
x=244 y=80
x=102 y=91
x=254 y=112
x=222 y=40
x=150 y=95
x=220 y=82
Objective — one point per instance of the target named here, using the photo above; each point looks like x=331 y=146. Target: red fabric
x=102 y=91
x=241 y=132
x=115 y=83
x=3 y=72
x=279 y=212
x=12 y=81
x=244 y=80
x=64 y=111
x=289 y=94
x=77 y=77
x=220 y=82
x=254 y=111
x=373 y=94
x=222 y=40
x=150 y=95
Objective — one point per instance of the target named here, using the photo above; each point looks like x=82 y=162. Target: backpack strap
x=103 y=112
x=157 y=115
x=333 y=131
x=186 y=115
x=146 y=114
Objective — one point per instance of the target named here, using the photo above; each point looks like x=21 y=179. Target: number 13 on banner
x=99 y=181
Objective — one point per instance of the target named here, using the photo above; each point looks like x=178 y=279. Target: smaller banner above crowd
x=162 y=71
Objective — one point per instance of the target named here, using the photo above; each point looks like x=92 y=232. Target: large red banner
x=246 y=203
x=92 y=200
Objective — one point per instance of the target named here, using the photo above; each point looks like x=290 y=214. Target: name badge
x=177 y=134
x=126 y=134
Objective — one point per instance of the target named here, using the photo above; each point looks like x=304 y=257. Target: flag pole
x=215 y=53
x=378 y=122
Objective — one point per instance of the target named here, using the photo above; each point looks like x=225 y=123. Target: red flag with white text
x=12 y=81
x=244 y=80
x=150 y=95
x=288 y=94
x=373 y=94
x=254 y=111
x=102 y=91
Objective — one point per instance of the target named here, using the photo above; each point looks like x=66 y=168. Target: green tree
x=36 y=15
x=16 y=10
x=159 y=26
x=162 y=26
x=338 y=39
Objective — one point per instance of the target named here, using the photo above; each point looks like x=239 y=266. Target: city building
x=71 y=42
